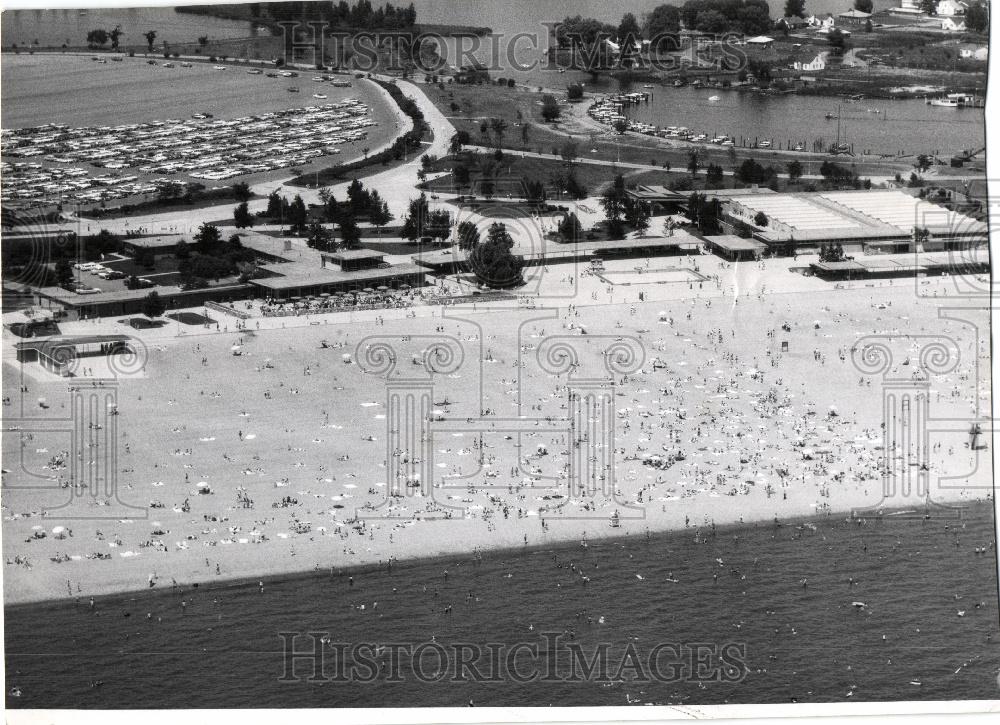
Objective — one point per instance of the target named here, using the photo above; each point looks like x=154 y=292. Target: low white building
x=953 y=24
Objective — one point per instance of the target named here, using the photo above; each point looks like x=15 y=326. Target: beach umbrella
x=203 y=485
x=324 y=294
x=405 y=286
x=382 y=288
x=368 y=290
x=59 y=530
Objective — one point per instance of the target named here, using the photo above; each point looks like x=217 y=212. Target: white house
x=951 y=8
x=816 y=63
x=821 y=22
x=953 y=23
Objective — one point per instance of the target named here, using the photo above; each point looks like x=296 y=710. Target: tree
x=242 y=216
x=794 y=169
x=924 y=162
x=570 y=228
x=468 y=235
x=97 y=38
x=458 y=140
x=298 y=217
x=498 y=126
x=663 y=22
x=350 y=235
x=864 y=6
x=550 y=108
x=760 y=219
x=182 y=250
x=574 y=92
x=114 y=35
x=416 y=218
x=620 y=126
x=628 y=38
x=274 y=206
x=153 y=306
x=492 y=261
x=693 y=163
x=713 y=177
x=207 y=238
x=241 y=191
x=640 y=219
x=379 y=213
x=569 y=151
x=977 y=18
x=64 y=272
x=795 y=8
x=319 y=237
x=150 y=36
x=615 y=203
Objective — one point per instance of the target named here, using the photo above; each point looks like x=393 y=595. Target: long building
x=868 y=221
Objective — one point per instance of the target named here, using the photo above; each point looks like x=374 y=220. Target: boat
x=678 y=83
x=255 y=71
x=168 y=65
x=219 y=67
x=319 y=95
x=185 y=65
x=293 y=89
x=647 y=86
x=713 y=98
x=831 y=116
x=943 y=102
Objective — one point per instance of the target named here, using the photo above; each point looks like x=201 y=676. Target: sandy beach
x=289 y=436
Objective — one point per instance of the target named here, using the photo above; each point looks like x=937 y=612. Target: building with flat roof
x=59 y=354
x=735 y=248
x=871 y=220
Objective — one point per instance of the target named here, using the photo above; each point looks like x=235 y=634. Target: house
x=810 y=61
x=760 y=41
x=955 y=24
x=854 y=17
x=951 y=8
x=791 y=22
x=826 y=21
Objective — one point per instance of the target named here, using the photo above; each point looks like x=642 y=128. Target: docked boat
x=943 y=102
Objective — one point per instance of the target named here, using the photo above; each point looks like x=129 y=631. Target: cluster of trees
x=293 y=213
x=213 y=258
x=570 y=229
x=621 y=210
x=362 y=15
x=492 y=260
x=838 y=174
x=751 y=17
x=704 y=212
x=99 y=37
x=423 y=223
x=977 y=17
x=753 y=172
x=831 y=252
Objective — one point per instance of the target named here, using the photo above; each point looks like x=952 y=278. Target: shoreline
x=447 y=557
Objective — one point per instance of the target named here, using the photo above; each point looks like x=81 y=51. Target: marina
x=877 y=127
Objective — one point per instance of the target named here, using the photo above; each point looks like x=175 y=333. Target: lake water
x=55 y=27
x=927 y=629
x=908 y=126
